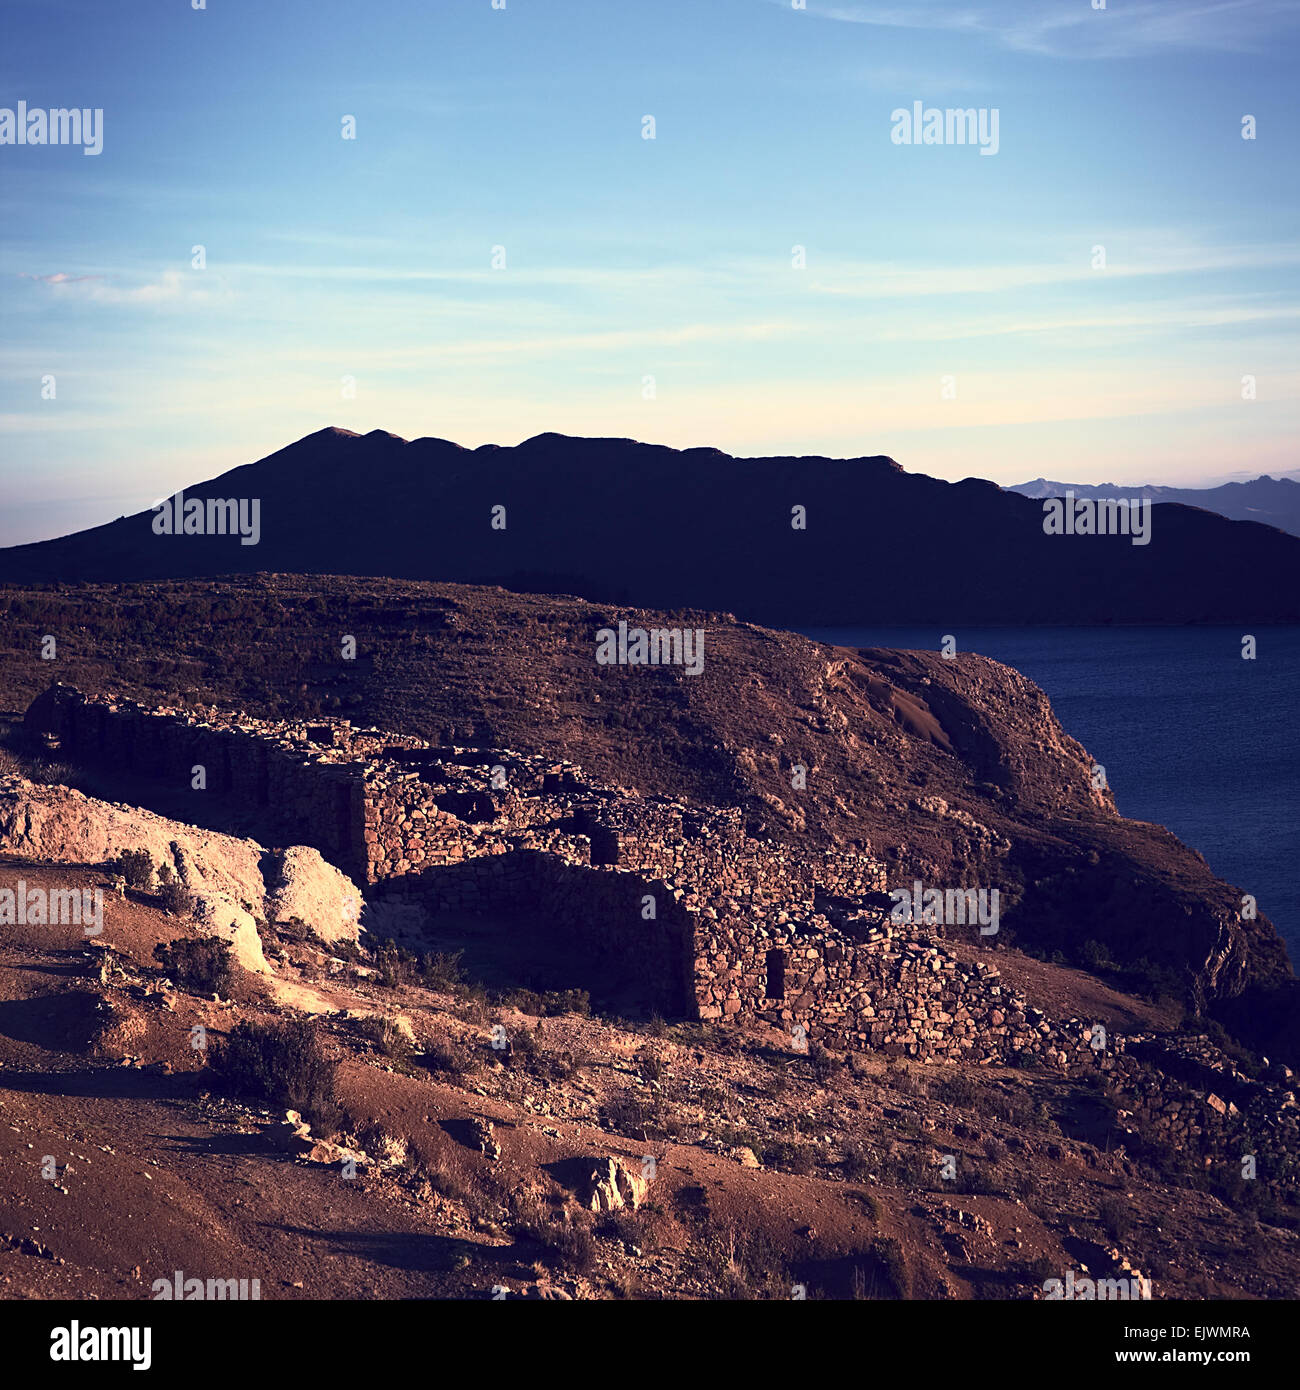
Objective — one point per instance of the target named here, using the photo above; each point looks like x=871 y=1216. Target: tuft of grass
x=565 y=1234
x=883 y=1272
x=1115 y=1216
x=386 y=1037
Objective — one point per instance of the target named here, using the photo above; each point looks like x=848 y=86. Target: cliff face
x=619 y=521
x=953 y=772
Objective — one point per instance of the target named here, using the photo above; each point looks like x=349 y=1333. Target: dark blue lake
x=1191 y=735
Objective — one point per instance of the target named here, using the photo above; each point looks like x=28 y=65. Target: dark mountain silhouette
x=1271 y=501
x=619 y=521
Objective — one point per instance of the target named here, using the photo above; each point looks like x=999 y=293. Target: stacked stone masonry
x=740 y=928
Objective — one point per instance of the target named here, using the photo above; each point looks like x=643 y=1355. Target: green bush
x=441 y=970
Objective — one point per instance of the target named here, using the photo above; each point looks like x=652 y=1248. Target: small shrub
x=629 y=1116
x=646 y=1227
x=201 y=966
x=1095 y=956
x=546 y=1003
x=956 y=1090
x=396 y=966
x=388 y=1038
x=856 y=1163
x=788 y=1157
x=136 y=868
x=691 y=1202
x=823 y=1064
x=650 y=1066
x=975 y=1182
x=388 y=1149
x=441 y=970
x=176 y=898
x=569 y=1242
x=576 y=1248
x=1115 y=1216
x=283 y=1066
x=442 y=1057
x=859 y=1067
x=884 y=1272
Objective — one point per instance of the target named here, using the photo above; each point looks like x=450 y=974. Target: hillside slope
x=954 y=772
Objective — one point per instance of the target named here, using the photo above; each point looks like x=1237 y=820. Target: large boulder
x=306 y=887
x=216 y=915
x=223 y=873
x=62 y=826
x=611 y=1185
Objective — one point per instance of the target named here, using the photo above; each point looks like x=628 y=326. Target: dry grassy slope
x=153 y=1178
x=878 y=731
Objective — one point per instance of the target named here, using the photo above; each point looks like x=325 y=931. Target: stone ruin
x=709 y=923
x=712 y=924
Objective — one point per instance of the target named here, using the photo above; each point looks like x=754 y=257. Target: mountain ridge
x=782 y=540
x=1265 y=499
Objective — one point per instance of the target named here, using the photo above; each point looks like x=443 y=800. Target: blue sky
x=628 y=258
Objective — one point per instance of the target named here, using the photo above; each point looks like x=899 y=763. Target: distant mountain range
x=614 y=520
x=1271 y=501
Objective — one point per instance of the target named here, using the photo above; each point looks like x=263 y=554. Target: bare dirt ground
x=768 y=1169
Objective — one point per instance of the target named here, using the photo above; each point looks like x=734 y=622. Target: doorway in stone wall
x=776 y=974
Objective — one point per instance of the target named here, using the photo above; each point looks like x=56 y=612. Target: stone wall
x=598 y=913
x=282 y=784
x=741 y=927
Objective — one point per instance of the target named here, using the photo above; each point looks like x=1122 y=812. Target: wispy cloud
x=172 y=287
x=59 y=278
x=1161 y=258
x=1076 y=30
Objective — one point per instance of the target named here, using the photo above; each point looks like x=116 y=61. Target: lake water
x=1191 y=735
